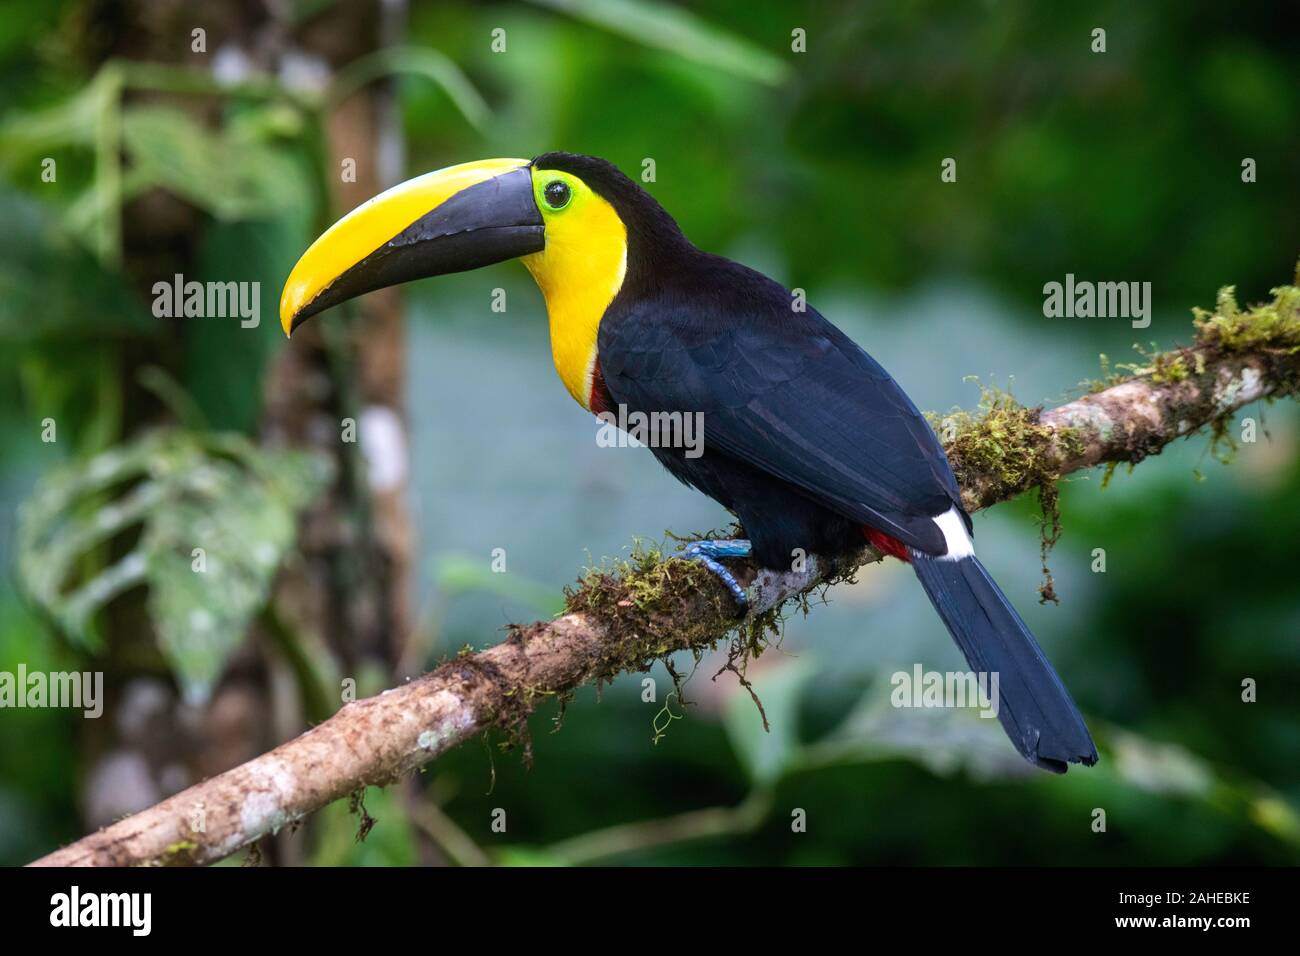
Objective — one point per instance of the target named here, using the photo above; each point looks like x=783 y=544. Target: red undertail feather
x=885 y=544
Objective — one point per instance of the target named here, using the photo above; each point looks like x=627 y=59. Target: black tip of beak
x=305 y=314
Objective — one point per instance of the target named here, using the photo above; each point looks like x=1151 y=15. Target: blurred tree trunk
x=338 y=392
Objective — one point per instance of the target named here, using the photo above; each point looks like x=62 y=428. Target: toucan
x=808 y=441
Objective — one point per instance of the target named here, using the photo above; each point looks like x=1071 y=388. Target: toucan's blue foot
x=708 y=552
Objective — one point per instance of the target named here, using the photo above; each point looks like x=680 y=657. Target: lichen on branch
x=1237 y=357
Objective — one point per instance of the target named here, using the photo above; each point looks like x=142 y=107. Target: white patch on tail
x=954 y=535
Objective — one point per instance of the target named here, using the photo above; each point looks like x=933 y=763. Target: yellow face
x=579 y=272
x=467 y=216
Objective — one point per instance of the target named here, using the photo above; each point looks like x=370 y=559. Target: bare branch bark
x=624 y=622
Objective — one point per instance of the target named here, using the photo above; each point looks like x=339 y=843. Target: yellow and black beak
x=452 y=220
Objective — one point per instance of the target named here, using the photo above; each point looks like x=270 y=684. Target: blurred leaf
x=245 y=527
x=233 y=174
x=1159 y=767
x=527 y=856
x=678 y=31
x=173 y=395
x=414 y=61
x=1278 y=817
x=234 y=501
x=947 y=740
x=69 y=122
x=52 y=288
x=951 y=740
x=767 y=755
x=1172 y=770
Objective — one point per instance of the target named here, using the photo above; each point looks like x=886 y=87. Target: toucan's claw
x=708 y=552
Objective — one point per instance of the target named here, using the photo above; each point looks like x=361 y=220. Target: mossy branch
x=627 y=618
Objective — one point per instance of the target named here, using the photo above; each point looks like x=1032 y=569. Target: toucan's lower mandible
x=807 y=439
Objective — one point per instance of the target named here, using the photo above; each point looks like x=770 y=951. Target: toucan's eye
x=557 y=194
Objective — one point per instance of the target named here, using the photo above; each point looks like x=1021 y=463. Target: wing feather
x=792 y=395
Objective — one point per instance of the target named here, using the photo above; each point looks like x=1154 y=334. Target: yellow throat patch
x=579 y=272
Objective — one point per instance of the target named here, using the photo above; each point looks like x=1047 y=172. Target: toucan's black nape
x=807 y=439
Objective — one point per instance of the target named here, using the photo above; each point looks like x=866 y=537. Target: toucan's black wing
x=786 y=392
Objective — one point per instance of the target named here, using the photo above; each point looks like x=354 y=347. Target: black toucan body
x=807 y=439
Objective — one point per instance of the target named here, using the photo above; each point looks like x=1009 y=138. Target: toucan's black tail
x=1035 y=709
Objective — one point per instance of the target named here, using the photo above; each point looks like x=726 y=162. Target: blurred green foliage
x=822 y=168
x=183 y=487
